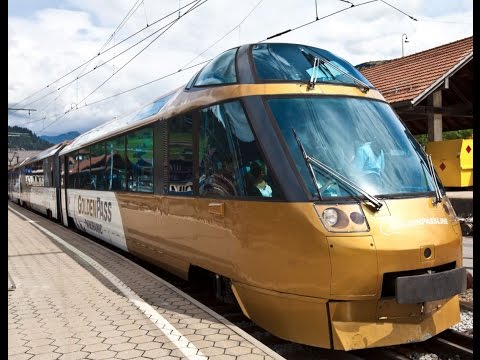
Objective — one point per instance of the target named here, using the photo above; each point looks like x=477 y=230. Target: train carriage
x=34 y=182
x=283 y=172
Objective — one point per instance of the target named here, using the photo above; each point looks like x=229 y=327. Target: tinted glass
x=361 y=139
x=72 y=170
x=97 y=166
x=115 y=167
x=84 y=169
x=220 y=70
x=295 y=63
x=152 y=109
x=140 y=160
x=48 y=172
x=229 y=159
x=180 y=156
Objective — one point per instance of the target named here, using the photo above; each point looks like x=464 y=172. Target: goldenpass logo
x=96 y=208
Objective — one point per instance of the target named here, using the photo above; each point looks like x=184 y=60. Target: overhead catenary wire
x=223 y=37
x=107 y=61
x=186 y=68
x=132 y=10
x=183 y=68
x=317 y=19
x=198 y=4
x=100 y=53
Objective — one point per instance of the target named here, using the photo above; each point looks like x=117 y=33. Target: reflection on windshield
x=359 y=138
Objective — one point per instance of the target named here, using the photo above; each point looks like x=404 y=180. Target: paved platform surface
x=70 y=298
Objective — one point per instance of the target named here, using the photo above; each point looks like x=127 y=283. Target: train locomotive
x=282 y=171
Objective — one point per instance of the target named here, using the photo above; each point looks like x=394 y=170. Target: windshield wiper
x=339 y=177
x=438 y=194
x=323 y=62
x=430 y=169
x=361 y=85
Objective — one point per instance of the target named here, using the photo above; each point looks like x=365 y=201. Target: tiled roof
x=407 y=77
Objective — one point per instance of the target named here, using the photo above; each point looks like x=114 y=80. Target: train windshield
x=361 y=139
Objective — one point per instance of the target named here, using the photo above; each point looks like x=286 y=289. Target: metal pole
x=404 y=40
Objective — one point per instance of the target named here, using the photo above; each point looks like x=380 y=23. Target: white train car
x=34 y=183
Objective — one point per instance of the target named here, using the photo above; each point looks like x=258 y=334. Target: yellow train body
x=329 y=266
x=292 y=276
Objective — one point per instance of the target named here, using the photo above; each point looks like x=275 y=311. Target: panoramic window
x=180 y=155
x=220 y=70
x=37 y=174
x=115 y=168
x=140 y=160
x=84 y=169
x=72 y=170
x=97 y=166
x=47 y=172
x=229 y=159
x=153 y=108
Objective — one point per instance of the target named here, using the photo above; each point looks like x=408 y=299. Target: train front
x=388 y=264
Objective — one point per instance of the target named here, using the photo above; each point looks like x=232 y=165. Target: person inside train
x=256 y=183
x=369 y=160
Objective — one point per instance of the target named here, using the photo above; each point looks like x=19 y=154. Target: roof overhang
x=442 y=79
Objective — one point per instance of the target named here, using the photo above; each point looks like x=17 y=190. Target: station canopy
x=408 y=84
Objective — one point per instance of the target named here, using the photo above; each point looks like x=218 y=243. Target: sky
x=76 y=64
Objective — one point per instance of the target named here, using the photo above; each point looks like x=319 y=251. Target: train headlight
x=342 y=218
x=330 y=216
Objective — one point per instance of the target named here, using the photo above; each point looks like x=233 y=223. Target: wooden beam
x=434 y=121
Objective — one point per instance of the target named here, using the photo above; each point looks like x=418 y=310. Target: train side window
x=72 y=171
x=84 y=169
x=37 y=171
x=115 y=169
x=97 y=166
x=180 y=155
x=47 y=172
x=220 y=70
x=228 y=153
x=140 y=160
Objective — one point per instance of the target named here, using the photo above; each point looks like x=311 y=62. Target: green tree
x=447 y=135
x=22 y=138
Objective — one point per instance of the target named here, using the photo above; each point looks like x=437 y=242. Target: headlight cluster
x=342 y=218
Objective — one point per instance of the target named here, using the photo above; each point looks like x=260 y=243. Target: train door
x=63 y=192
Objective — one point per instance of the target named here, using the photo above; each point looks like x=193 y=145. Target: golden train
x=281 y=172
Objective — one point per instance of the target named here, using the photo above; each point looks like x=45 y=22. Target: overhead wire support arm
x=317 y=19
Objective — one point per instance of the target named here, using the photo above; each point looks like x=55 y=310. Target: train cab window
x=116 y=163
x=97 y=166
x=180 y=155
x=293 y=62
x=140 y=160
x=230 y=163
x=220 y=70
x=84 y=181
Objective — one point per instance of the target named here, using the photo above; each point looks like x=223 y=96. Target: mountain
x=59 y=138
x=22 y=138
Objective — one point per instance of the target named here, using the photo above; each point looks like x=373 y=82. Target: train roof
x=121 y=124
x=176 y=101
x=45 y=153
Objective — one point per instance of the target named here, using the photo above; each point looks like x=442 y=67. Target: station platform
x=70 y=298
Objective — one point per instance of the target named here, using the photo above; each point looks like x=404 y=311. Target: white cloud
x=45 y=44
